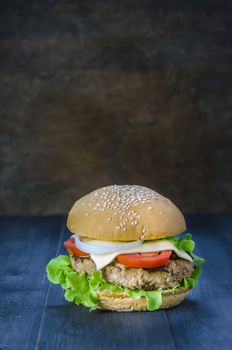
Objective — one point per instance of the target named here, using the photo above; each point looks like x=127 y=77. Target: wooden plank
x=67 y=326
x=225 y=223
x=204 y=320
x=26 y=244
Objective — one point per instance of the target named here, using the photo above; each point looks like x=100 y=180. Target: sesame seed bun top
x=125 y=213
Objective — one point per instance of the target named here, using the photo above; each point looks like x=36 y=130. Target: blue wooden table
x=34 y=314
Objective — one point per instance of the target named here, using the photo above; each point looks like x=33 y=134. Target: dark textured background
x=101 y=92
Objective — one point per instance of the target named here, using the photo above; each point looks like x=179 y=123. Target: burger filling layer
x=166 y=276
x=144 y=271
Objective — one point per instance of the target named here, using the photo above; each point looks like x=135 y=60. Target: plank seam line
x=49 y=286
x=170 y=330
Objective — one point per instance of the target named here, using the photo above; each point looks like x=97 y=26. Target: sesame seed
x=143 y=230
x=149 y=208
x=133 y=223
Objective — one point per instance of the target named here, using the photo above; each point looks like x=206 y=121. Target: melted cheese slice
x=102 y=260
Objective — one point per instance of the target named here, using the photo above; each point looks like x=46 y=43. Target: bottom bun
x=122 y=302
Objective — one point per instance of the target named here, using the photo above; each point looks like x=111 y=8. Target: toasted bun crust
x=121 y=301
x=125 y=213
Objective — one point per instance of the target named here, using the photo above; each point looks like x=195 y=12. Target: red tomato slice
x=72 y=249
x=145 y=260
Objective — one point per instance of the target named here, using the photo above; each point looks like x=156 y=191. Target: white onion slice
x=108 y=247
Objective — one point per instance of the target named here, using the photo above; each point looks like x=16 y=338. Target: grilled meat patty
x=138 y=278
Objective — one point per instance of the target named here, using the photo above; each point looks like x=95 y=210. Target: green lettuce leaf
x=198 y=259
x=57 y=269
x=76 y=284
x=154 y=298
x=81 y=289
x=187 y=244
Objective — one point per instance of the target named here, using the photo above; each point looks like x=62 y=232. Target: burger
x=123 y=253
